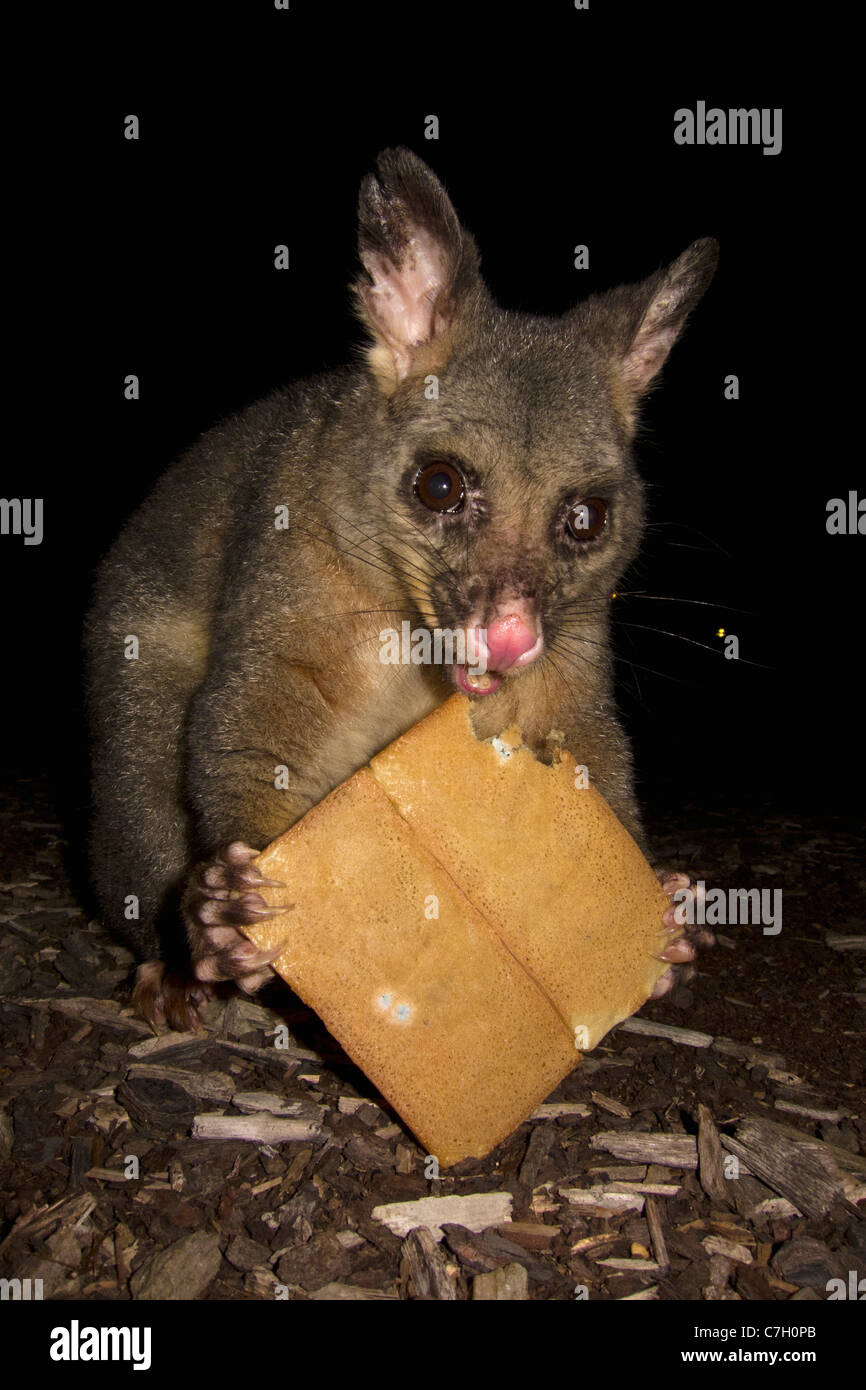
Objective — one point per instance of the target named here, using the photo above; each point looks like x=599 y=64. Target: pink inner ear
x=402 y=298
x=647 y=354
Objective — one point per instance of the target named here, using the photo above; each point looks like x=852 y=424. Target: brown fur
x=259 y=647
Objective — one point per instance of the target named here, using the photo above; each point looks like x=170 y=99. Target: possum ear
x=637 y=325
x=671 y=296
x=420 y=269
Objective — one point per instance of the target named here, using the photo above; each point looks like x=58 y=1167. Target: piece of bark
x=509 y=1283
x=668 y=1150
x=344 y=1292
x=540 y=1143
x=627 y=1265
x=600 y=1199
x=685 y=1037
x=105 y=1013
x=168 y=1043
x=107 y=1175
x=601 y=1239
x=711 y=1160
x=562 y=1109
x=471 y=1250
x=532 y=1235
x=746 y=1052
x=350 y=1240
x=427 y=1266
x=155 y=1104
x=717 y=1245
x=316 y=1262
x=369 y=1154
x=182 y=1271
x=753 y=1283
x=516 y=1253
x=246 y=1016
x=476 y=1211
x=245 y=1254
x=621 y=1172
x=217 y=1086
x=810 y=1112
x=272 y=1103
x=656 y=1229
x=646 y=1189
x=837 y=941
x=786 y=1165
x=804 y=1260
x=256 y=1129
x=614 y=1107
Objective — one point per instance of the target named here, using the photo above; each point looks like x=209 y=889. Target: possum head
x=515 y=505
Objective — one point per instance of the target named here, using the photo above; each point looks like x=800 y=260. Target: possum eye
x=441 y=486
x=587 y=518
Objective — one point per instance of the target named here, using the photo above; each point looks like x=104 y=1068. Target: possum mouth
x=482 y=684
x=513 y=641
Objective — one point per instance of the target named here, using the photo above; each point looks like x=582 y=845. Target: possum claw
x=221 y=899
x=684 y=937
x=167 y=997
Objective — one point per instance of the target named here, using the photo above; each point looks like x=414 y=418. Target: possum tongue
x=512 y=639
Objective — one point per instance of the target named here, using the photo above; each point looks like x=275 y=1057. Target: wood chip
x=204 y=1085
x=532 y=1235
x=427 y=1266
x=562 y=1109
x=107 y=1175
x=273 y=1103
x=344 y=1292
x=541 y=1140
x=614 y=1107
x=711 y=1160
x=602 y=1199
x=509 y=1283
x=785 y=1165
x=717 y=1245
x=105 y=1013
x=808 y=1112
x=625 y=1265
x=197 y=1042
x=621 y=1172
x=686 y=1037
x=668 y=1150
x=747 y=1052
x=587 y=1243
x=255 y=1129
x=647 y=1189
x=183 y=1270
x=656 y=1225
x=476 y=1211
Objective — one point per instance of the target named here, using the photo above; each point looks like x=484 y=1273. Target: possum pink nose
x=511 y=641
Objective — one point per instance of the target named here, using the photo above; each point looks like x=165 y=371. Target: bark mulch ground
x=124 y=1176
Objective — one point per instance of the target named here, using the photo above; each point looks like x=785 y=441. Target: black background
x=556 y=128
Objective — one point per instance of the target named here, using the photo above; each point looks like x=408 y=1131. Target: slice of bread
x=464 y=919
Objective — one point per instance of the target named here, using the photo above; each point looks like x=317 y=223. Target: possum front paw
x=220 y=897
x=163 y=996
x=686 y=937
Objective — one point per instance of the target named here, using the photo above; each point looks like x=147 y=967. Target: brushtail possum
x=471 y=473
